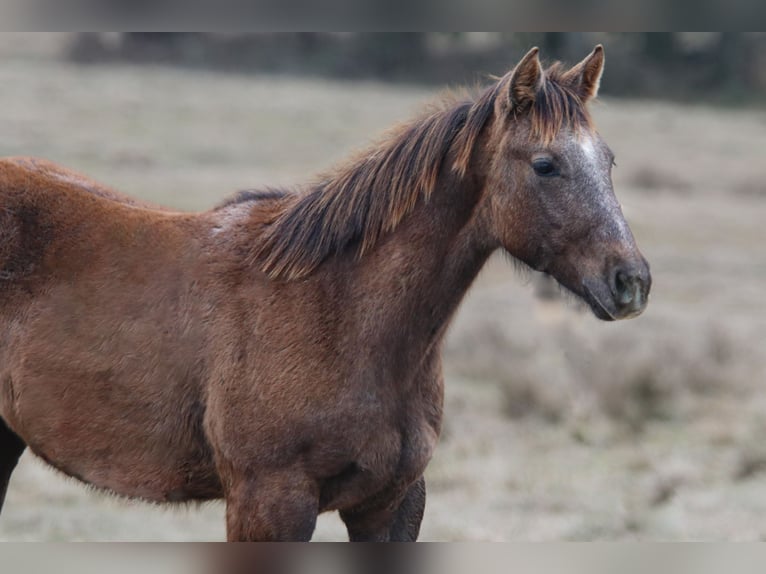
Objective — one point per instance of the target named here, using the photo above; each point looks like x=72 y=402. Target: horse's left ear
x=585 y=77
x=519 y=87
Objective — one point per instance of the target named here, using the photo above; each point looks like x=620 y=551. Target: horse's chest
x=392 y=442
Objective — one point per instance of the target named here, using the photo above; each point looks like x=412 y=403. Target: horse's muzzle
x=630 y=288
x=623 y=295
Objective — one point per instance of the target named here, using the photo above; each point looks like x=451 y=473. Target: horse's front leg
x=393 y=518
x=272 y=506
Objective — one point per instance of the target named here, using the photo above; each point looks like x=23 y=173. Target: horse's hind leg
x=11 y=447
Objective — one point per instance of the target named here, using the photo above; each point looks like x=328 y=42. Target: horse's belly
x=135 y=466
x=113 y=399
x=130 y=446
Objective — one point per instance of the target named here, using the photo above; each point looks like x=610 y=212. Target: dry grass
x=650 y=179
x=754 y=187
x=557 y=426
x=651 y=370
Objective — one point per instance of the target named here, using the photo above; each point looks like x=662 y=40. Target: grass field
x=557 y=426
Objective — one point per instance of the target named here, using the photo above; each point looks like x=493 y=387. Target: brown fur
x=283 y=350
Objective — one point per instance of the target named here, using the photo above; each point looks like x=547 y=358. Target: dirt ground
x=557 y=426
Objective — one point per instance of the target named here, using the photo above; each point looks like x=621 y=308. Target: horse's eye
x=544 y=167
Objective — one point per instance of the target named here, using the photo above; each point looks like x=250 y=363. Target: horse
x=282 y=350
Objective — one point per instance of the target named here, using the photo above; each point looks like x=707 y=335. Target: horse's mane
x=247 y=195
x=369 y=195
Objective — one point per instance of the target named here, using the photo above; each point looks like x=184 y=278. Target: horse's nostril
x=625 y=287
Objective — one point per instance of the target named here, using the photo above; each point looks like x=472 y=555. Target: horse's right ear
x=520 y=87
x=585 y=77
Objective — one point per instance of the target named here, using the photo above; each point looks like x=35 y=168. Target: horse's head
x=549 y=199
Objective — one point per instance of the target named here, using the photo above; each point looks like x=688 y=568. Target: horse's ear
x=585 y=77
x=520 y=89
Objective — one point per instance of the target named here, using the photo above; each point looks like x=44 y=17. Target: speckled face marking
x=594 y=160
x=586 y=144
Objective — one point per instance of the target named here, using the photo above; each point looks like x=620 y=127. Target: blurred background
x=557 y=426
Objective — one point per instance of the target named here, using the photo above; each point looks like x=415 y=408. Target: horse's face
x=550 y=198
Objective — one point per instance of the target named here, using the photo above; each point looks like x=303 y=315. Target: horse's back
x=45 y=175
x=52 y=221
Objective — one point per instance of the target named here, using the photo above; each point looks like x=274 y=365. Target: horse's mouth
x=599 y=309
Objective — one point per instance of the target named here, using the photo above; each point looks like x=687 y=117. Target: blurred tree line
x=725 y=66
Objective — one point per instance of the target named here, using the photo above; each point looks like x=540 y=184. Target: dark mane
x=251 y=195
x=370 y=195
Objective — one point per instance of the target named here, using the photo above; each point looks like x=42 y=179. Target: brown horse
x=283 y=350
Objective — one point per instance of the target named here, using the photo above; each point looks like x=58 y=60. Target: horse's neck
x=424 y=268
